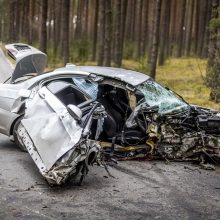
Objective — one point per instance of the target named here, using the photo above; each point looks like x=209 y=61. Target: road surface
x=140 y=190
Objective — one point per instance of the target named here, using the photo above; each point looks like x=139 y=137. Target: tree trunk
x=11 y=21
x=78 y=31
x=206 y=34
x=132 y=32
x=17 y=19
x=43 y=31
x=164 y=30
x=180 y=29
x=72 y=16
x=129 y=20
x=152 y=61
x=202 y=25
x=144 y=27
x=117 y=34
x=95 y=30
x=49 y=19
x=123 y=20
x=86 y=9
x=31 y=21
x=101 y=33
x=57 y=14
x=22 y=8
x=172 y=27
x=196 y=25
x=189 y=27
x=26 y=20
x=213 y=65
x=138 y=30
x=107 y=36
x=65 y=25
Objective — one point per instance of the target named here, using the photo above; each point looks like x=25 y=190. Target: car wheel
x=17 y=139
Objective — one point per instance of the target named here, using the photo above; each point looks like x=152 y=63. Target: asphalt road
x=140 y=190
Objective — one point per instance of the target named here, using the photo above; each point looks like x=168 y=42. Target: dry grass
x=186 y=77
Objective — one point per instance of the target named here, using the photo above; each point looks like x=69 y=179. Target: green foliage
x=143 y=67
x=80 y=49
x=214 y=23
x=213 y=67
x=54 y=60
x=213 y=80
x=128 y=50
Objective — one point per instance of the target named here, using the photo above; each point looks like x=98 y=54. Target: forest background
x=175 y=41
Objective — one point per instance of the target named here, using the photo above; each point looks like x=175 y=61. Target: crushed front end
x=193 y=135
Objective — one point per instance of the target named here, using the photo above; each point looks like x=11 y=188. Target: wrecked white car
x=48 y=115
x=70 y=117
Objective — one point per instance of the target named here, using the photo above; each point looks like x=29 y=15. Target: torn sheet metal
x=57 y=143
x=50 y=126
x=50 y=134
x=68 y=166
x=193 y=135
x=187 y=137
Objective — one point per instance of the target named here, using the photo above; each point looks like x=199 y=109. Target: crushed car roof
x=129 y=76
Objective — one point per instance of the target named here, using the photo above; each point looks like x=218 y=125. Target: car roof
x=128 y=76
x=131 y=77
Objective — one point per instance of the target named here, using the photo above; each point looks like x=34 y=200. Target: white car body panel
x=50 y=126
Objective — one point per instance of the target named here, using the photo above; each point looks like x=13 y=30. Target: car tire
x=17 y=139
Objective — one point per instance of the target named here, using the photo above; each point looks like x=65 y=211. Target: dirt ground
x=140 y=190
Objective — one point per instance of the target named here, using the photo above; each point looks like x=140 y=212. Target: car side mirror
x=75 y=112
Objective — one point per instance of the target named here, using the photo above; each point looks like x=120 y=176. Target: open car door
x=56 y=135
x=28 y=59
x=5 y=67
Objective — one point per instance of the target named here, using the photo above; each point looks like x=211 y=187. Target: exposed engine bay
x=193 y=136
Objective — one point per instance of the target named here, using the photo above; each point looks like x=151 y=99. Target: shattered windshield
x=156 y=95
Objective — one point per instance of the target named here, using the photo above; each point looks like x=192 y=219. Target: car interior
x=116 y=103
x=69 y=94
